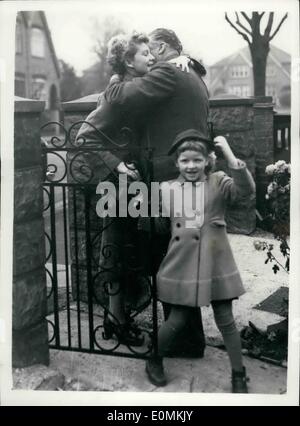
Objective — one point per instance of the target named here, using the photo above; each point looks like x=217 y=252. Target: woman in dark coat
x=113 y=128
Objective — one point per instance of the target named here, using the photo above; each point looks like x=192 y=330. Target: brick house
x=233 y=76
x=36 y=67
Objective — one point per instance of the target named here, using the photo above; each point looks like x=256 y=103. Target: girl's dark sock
x=226 y=325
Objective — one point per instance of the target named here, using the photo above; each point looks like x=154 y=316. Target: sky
x=203 y=30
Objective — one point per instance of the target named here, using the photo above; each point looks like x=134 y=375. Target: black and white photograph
x=149 y=206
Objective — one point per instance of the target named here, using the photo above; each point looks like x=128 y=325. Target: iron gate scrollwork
x=80 y=259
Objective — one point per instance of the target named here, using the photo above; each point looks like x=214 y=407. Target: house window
x=19 y=44
x=235 y=90
x=245 y=90
x=20 y=86
x=239 y=71
x=271 y=91
x=37 y=43
x=242 y=90
x=39 y=89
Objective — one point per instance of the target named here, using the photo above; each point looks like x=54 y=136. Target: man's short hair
x=168 y=36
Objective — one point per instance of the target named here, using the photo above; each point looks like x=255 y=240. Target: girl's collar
x=181 y=180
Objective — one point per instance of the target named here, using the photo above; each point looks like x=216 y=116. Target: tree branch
x=241 y=25
x=278 y=28
x=261 y=14
x=269 y=25
x=249 y=20
x=237 y=30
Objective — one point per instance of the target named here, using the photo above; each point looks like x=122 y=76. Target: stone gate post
x=264 y=145
x=30 y=333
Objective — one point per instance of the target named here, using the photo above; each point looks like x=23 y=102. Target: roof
x=48 y=35
x=32 y=16
x=279 y=55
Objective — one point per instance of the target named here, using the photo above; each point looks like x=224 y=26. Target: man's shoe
x=155 y=371
x=239 y=381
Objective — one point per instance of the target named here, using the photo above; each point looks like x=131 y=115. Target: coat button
x=178 y=225
x=177 y=238
x=196 y=238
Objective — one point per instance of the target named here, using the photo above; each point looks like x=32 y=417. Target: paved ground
x=210 y=374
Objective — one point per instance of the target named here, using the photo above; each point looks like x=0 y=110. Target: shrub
x=273 y=343
x=278 y=198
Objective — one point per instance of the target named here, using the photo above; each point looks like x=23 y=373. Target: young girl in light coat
x=199 y=268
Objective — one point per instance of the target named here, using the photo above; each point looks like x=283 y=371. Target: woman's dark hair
x=198 y=146
x=168 y=36
x=121 y=48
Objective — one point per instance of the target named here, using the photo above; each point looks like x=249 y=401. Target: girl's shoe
x=239 y=381
x=125 y=333
x=155 y=371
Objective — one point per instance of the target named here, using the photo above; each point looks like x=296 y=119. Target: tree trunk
x=259 y=53
x=259 y=44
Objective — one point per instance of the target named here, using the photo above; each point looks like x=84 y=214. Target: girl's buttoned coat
x=199 y=266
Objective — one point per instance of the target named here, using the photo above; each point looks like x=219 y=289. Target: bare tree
x=259 y=43
x=104 y=31
x=70 y=83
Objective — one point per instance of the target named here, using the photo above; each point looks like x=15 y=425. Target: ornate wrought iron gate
x=80 y=257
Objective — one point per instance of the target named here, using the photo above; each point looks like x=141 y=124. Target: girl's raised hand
x=222 y=144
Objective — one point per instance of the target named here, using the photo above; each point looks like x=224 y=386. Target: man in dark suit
x=172 y=101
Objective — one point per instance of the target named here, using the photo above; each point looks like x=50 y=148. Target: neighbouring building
x=233 y=76
x=37 y=70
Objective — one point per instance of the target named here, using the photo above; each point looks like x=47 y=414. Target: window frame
x=239 y=71
x=39 y=79
x=33 y=48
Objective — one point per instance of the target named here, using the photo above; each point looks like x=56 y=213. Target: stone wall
x=233 y=118
x=30 y=334
x=249 y=126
